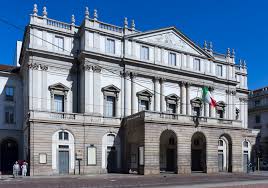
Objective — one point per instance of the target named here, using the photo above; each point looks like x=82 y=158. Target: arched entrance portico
x=111 y=153
x=225 y=153
x=198 y=153
x=9 y=154
x=168 y=151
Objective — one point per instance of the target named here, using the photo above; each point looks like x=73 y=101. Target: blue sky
x=238 y=24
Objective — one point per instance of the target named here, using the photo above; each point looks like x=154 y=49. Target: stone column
x=183 y=98
x=188 y=104
x=44 y=69
x=97 y=105
x=134 y=102
x=162 y=96
x=157 y=94
x=122 y=93
x=127 y=94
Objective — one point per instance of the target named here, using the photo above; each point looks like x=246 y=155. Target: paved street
x=116 y=180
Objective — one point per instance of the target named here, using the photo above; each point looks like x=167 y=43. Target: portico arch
x=198 y=153
x=168 y=151
x=9 y=154
x=225 y=153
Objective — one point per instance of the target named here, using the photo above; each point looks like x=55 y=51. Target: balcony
x=72 y=118
x=183 y=119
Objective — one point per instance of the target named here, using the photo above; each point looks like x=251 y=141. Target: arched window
x=171 y=141
x=63 y=135
x=196 y=106
x=220 y=108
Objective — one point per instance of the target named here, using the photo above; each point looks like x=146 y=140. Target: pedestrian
x=24 y=169
x=16 y=169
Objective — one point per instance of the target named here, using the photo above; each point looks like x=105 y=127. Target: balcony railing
x=179 y=118
x=78 y=118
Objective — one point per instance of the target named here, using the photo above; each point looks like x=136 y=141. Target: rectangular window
x=197 y=65
x=59 y=103
x=258 y=118
x=144 y=105
x=171 y=108
x=110 y=46
x=59 y=43
x=110 y=106
x=9 y=93
x=9 y=115
x=144 y=53
x=219 y=70
x=172 y=59
x=257 y=103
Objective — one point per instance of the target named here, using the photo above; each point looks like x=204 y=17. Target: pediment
x=145 y=93
x=171 y=38
x=111 y=88
x=58 y=86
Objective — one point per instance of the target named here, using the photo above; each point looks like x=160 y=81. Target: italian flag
x=207 y=97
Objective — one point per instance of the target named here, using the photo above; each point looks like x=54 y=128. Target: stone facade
x=258 y=120
x=100 y=96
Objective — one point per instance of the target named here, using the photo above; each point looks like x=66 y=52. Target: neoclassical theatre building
x=99 y=98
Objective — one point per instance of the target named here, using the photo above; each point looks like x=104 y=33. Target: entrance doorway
x=168 y=152
x=63 y=162
x=225 y=153
x=198 y=153
x=9 y=154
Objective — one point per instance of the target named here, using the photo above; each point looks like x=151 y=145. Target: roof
x=8 y=68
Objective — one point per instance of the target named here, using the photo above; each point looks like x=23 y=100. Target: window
x=171 y=108
x=9 y=115
x=220 y=109
x=219 y=70
x=144 y=98
x=171 y=141
x=196 y=106
x=197 y=64
x=63 y=135
x=257 y=103
x=245 y=144
x=144 y=105
x=172 y=59
x=220 y=143
x=237 y=111
x=110 y=46
x=197 y=111
x=144 y=53
x=59 y=44
x=257 y=118
x=9 y=93
x=110 y=106
x=59 y=103
x=110 y=94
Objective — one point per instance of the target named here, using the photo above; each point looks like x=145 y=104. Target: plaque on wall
x=42 y=158
x=91 y=155
x=141 y=155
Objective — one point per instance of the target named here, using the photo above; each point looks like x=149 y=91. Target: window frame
x=110 y=91
x=142 y=55
x=9 y=97
x=57 y=46
x=219 y=72
x=144 y=95
x=11 y=111
x=170 y=59
x=108 y=46
x=196 y=62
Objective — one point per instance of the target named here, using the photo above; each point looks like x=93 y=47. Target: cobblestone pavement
x=124 y=180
